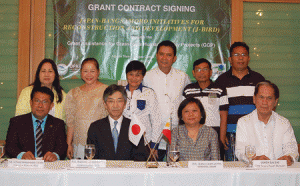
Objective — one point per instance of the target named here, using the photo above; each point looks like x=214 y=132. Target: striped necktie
x=115 y=135
x=39 y=138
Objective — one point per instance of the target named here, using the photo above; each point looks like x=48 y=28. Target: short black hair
x=167 y=43
x=110 y=90
x=136 y=65
x=238 y=44
x=90 y=60
x=267 y=83
x=199 y=61
x=184 y=103
x=44 y=90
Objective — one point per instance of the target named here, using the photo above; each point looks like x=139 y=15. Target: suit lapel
x=123 y=134
x=108 y=136
x=30 y=138
x=46 y=136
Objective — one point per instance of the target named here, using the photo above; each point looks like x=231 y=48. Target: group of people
x=210 y=120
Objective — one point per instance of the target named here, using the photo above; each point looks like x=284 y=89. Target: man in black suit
x=37 y=134
x=110 y=134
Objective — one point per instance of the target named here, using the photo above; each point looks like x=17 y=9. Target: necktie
x=115 y=135
x=39 y=138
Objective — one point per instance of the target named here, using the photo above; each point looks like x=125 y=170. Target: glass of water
x=89 y=151
x=250 y=153
x=1 y=151
x=174 y=154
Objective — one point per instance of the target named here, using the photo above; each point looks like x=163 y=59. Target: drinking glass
x=250 y=153
x=2 y=154
x=232 y=144
x=1 y=151
x=174 y=154
x=89 y=151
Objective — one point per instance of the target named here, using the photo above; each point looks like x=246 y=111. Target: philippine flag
x=136 y=130
x=167 y=131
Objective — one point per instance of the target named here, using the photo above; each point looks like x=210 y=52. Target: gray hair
x=110 y=90
x=270 y=84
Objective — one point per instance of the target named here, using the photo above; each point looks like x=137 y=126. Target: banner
x=116 y=32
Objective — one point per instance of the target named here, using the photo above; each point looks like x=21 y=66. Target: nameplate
x=205 y=164
x=88 y=163
x=270 y=164
x=15 y=163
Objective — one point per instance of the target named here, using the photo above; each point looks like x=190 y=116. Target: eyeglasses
x=203 y=69
x=238 y=55
x=37 y=101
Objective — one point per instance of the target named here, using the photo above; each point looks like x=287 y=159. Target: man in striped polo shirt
x=239 y=82
x=213 y=98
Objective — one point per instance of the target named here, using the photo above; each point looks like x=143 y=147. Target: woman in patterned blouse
x=196 y=141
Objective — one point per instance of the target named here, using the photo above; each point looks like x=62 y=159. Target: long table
x=234 y=173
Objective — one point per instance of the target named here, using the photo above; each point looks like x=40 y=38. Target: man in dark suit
x=110 y=134
x=37 y=134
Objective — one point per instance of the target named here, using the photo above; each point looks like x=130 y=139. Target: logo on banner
x=62 y=69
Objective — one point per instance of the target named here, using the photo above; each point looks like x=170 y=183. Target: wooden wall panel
x=31 y=42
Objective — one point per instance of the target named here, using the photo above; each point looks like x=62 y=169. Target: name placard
x=15 y=163
x=205 y=164
x=270 y=164
x=88 y=163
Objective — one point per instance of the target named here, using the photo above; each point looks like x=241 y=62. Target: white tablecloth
x=62 y=175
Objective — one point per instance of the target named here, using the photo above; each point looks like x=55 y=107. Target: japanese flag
x=136 y=130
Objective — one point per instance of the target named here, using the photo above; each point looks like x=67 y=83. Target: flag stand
x=168 y=127
x=150 y=163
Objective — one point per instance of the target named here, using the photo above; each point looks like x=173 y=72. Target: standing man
x=213 y=98
x=110 y=134
x=271 y=134
x=168 y=84
x=239 y=82
x=37 y=134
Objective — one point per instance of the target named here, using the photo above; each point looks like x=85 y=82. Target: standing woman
x=142 y=102
x=84 y=105
x=197 y=142
x=46 y=75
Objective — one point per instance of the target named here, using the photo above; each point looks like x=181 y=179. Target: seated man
x=110 y=134
x=37 y=134
x=271 y=134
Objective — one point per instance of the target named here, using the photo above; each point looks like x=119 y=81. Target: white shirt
x=144 y=104
x=112 y=123
x=168 y=88
x=274 y=139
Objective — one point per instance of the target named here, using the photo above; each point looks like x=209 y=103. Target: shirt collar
x=249 y=71
x=112 y=125
x=271 y=119
x=161 y=73
x=140 y=87
x=208 y=87
x=34 y=120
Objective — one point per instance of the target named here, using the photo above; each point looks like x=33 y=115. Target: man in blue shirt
x=37 y=134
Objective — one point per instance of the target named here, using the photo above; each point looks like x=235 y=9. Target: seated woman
x=196 y=141
x=46 y=75
x=142 y=102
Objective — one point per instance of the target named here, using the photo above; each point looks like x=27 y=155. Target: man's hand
x=224 y=141
x=289 y=159
x=263 y=157
x=49 y=157
x=28 y=156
